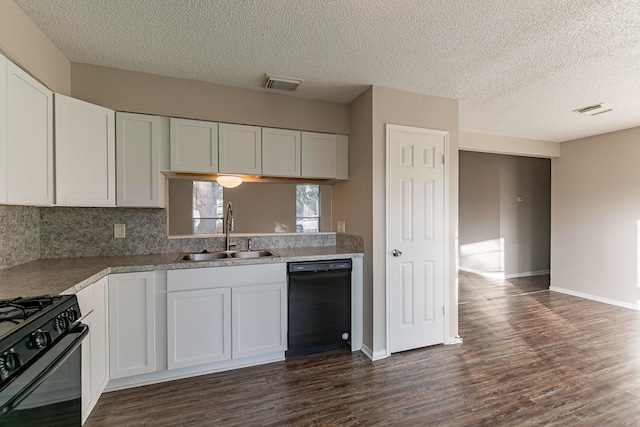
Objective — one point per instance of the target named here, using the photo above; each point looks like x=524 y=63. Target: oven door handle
x=25 y=383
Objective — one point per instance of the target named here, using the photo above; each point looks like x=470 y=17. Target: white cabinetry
x=221 y=313
x=141 y=154
x=281 y=152
x=194 y=146
x=318 y=155
x=95 y=365
x=132 y=324
x=259 y=319
x=240 y=150
x=26 y=146
x=85 y=153
x=199 y=326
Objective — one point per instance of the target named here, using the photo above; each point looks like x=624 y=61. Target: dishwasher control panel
x=326 y=265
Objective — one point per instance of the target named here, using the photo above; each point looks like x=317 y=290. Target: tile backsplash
x=19 y=235
x=29 y=233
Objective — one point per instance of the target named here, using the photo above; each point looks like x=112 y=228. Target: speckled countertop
x=69 y=275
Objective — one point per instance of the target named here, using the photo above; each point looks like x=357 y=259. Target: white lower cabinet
x=132 y=324
x=225 y=313
x=95 y=365
x=259 y=319
x=199 y=327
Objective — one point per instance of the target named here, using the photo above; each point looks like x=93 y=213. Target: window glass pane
x=307 y=208
x=207 y=207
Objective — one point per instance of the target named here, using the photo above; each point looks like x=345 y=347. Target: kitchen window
x=208 y=207
x=307 y=208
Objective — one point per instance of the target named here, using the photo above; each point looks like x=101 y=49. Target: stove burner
x=20 y=308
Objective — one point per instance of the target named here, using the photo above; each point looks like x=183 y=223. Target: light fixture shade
x=229 y=181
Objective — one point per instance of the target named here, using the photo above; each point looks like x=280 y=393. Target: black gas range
x=40 y=367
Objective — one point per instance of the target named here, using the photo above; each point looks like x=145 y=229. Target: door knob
x=396 y=253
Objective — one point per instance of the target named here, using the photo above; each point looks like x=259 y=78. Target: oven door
x=48 y=392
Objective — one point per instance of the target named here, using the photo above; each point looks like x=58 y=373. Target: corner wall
x=138 y=92
x=25 y=44
x=391 y=106
x=595 y=218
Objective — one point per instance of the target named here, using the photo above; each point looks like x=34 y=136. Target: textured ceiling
x=518 y=67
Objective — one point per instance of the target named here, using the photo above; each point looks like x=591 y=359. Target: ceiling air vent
x=594 y=110
x=282 y=83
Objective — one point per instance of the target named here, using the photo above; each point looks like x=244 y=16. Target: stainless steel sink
x=222 y=255
x=252 y=254
x=204 y=256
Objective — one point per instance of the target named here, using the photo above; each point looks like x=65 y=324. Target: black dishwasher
x=319 y=306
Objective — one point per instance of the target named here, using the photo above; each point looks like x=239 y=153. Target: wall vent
x=594 y=110
x=282 y=83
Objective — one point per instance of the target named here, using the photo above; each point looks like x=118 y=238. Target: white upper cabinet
x=3 y=129
x=240 y=149
x=141 y=155
x=281 y=152
x=85 y=153
x=26 y=146
x=194 y=146
x=318 y=155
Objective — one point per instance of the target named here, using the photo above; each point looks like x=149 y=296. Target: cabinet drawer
x=214 y=277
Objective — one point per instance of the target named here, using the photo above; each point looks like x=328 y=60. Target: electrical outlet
x=341 y=227
x=119 y=231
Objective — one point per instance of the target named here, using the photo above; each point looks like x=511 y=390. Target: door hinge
x=443 y=162
x=443 y=313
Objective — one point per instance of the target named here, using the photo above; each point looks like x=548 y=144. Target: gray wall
x=499 y=235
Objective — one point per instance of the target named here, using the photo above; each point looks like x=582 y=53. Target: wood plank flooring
x=530 y=357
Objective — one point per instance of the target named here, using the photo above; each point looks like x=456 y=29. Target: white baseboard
x=454 y=340
x=374 y=355
x=596 y=298
x=501 y=275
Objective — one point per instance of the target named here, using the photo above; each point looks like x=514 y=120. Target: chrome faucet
x=228 y=226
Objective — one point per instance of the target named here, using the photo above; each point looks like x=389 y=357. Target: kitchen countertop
x=69 y=275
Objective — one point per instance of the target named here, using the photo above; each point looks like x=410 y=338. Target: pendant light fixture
x=229 y=181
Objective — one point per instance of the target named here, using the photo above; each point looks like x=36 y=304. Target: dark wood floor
x=530 y=357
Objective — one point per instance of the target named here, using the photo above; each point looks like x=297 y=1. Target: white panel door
x=85 y=153
x=281 y=154
x=132 y=320
x=416 y=236
x=194 y=146
x=240 y=149
x=198 y=327
x=259 y=321
x=29 y=139
x=319 y=155
x=141 y=142
x=3 y=129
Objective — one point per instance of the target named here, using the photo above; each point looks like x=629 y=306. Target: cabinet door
x=240 y=149
x=141 y=142
x=99 y=341
x=259 y=319
x=198 y=327
x=3 y=129
x=281 y=152
x=95 y=366
x=132 y=331
x=318 y=155
x=29 y=154
x=85 y=153
x=194 y=146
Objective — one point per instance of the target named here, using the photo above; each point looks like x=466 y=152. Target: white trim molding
x=374 y=355
x=604 y=300
x=501 y=275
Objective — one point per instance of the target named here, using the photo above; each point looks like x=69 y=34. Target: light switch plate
x=119 y=231
x=341 y=227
